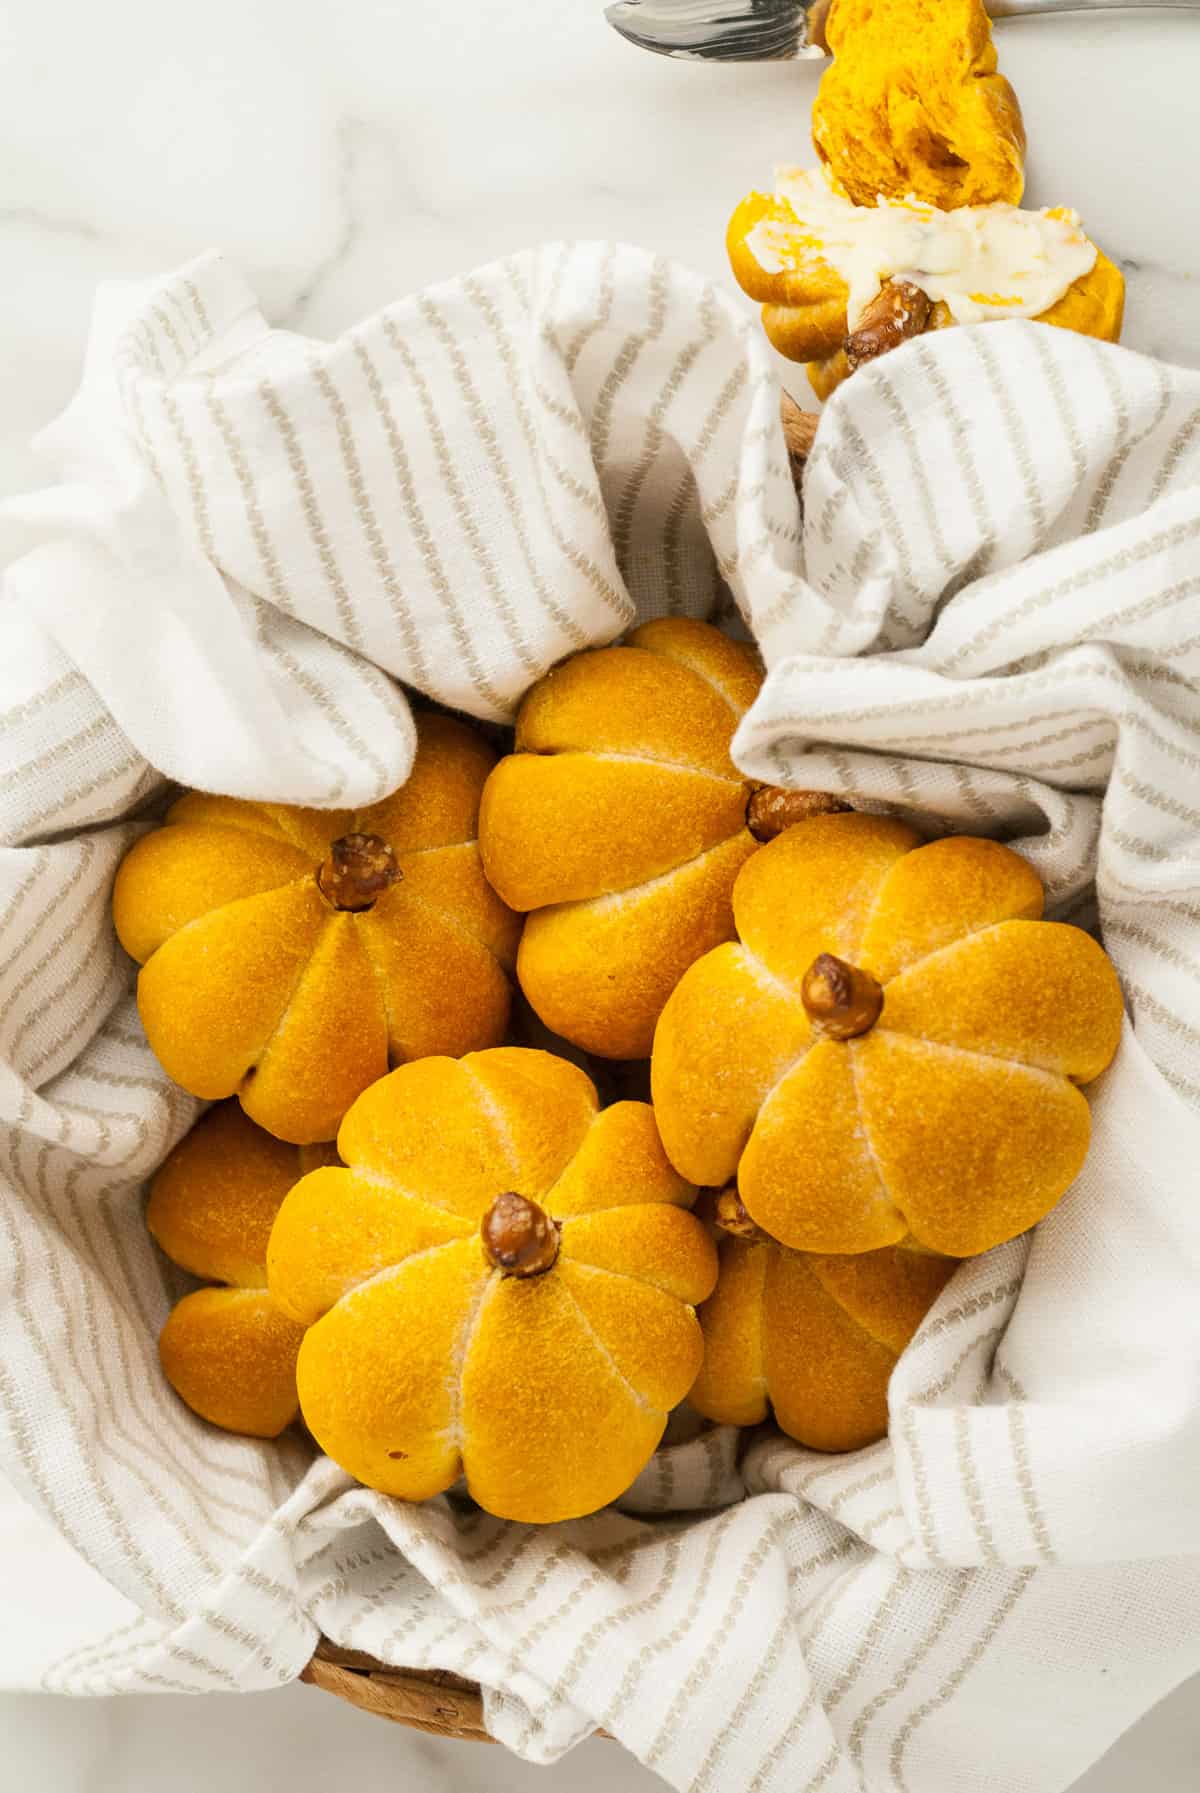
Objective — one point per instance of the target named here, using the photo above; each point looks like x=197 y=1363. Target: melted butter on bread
x=983 y=262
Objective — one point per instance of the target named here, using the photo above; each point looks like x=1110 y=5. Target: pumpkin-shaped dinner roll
x=893 y=1045
x=813 y=1339
x=289 y=956
x=620 y=823
x=911 y=220
x=501 y=1285
x=229 y=1352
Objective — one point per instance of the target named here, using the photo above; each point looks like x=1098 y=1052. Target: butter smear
x=982 y=261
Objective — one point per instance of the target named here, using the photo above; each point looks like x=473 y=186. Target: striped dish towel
x=988 y=617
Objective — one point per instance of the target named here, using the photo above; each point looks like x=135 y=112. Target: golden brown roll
x=912 y=109
x=229 y=1351
x=501 y=1285
x=619 y=826
x=813 y=1339
x=894 y=1044
x=289 y=956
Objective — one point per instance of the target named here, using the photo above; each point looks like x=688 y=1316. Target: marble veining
x=344 y=156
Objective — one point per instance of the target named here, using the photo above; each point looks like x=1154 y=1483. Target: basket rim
x=435 y=1701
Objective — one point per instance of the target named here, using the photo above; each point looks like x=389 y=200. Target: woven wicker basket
x=431 y=1699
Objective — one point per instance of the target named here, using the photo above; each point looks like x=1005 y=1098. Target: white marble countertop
x=343 y=156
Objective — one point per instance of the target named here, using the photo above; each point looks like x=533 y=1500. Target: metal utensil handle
x=766 y=30
x=1017 y=9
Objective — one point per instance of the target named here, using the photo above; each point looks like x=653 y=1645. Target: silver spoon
x=780 y=30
